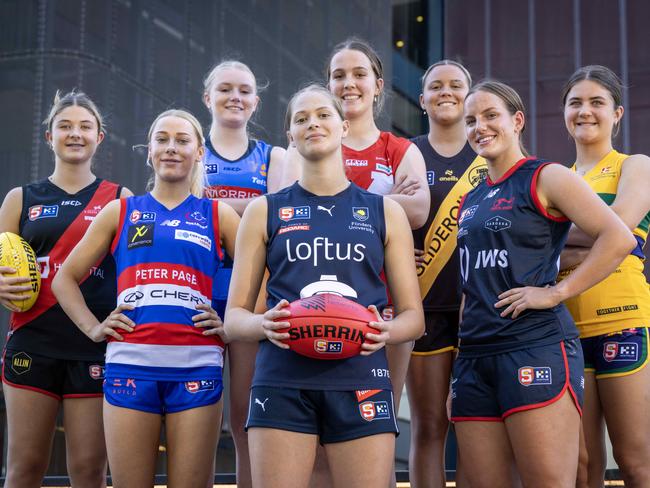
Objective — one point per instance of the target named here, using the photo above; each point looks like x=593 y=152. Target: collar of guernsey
x=438 y=251
x=603 y=178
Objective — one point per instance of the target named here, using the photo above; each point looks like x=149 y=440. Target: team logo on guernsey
x=198 y=386
x=477 y=175
x=137 y=216
x=497 y=224
x=431 y=177
x=503 y=204
x=139 y=236
x=360 y=213
x=621 y=351
x=194 y=238
x=43 y=211
x=328 y=347
x=535 y=376
x=294 y=213
x=467 y=214
x=374 y=411
x=21 y=363
x=382 y=168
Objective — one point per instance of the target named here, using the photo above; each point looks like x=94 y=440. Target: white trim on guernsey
x=158 y=356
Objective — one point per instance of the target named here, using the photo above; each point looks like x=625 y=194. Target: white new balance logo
x=261 y=404
x=325 y=209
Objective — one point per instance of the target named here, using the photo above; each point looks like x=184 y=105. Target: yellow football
x=17 y=254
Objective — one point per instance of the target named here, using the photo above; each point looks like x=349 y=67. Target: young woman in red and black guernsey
x=48 y=362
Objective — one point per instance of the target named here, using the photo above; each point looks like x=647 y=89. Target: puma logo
x=325 y=209
x=261 y=404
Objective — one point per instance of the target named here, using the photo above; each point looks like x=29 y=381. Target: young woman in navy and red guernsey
x=165 y=351
x=613 y=316
x=297 y=402
x=239 y=169
x=452 y=170
x=48 y=362
x=377 y=160
x=517 y=381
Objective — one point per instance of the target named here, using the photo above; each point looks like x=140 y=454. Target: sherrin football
x=327 y=326
x=17 y=254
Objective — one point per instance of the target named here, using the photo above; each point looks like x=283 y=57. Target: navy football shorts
x=58 y=378
x=618 y=354
x=161 y=397
x=490 y=388
x=334 y=416
x=440 y=334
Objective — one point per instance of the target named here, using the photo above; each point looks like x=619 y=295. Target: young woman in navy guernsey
x=297 y=402
x=518 y=380
x=238 y=169
x=48 y=362
x=165 y=351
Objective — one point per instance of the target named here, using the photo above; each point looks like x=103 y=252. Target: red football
x=328 y=326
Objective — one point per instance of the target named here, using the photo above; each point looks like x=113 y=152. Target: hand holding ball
x=20 y=279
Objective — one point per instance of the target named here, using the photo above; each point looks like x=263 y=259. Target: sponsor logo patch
x=431 y=177
x=139 y=236
x=374 y=411
x=96 y=371
x=503 y=204
x=43 y=211
x=497 y=224
x=477 y=175
x=294 y=213
x=467 y=214
x=138 y=216
x=360 y=213
x=21 y=363
x=73 y=203
x=382 y=168
x=193 y=237
x=621 y=351
x=292 y=228
x=535 y=376
x=328 y=347
x=491 y=193
x=356 y=162
x=198 y=386
x=365 y=394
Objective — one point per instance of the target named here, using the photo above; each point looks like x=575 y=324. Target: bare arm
x=125 y=193
x=95 y=244
x=11 y=287
x=632 y=201
x=562 y=192
x=275 y=169
x=241 y=323
x=408 y=323
x=291 y=169
x=416 y=203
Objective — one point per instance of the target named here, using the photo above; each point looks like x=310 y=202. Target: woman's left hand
x=529 y=297
x=209 y=319
x=378 y=340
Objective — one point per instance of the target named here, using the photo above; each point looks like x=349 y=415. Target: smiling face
x=174 y=149
x=492 y=131
x=74 y=135
x=354 y=82
x=443 y=94
x=316 y=128
x=589 y=112
x=232 y=96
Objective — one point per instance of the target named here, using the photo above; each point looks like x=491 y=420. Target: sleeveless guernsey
x=53 y=221
x=507 y=239
x=165 y=261
x=622 y=300
x=374 y=167
x=320 y=244
x=449 y=179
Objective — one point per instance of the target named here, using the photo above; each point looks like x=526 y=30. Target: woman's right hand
x=11 y=288
x=115 y=320
x=270 y=326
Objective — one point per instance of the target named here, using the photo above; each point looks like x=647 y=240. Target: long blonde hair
x=198 y=170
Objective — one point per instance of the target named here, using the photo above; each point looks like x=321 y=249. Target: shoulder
x=15 y=195
x=635 y=160
x=395 y=142
x=277 y=152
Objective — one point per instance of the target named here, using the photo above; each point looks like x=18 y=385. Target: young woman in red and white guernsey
x=48 y=362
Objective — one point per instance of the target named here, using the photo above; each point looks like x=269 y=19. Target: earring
x=424 y=112
x=376 y=98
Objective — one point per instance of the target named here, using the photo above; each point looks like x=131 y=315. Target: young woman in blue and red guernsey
x=517 y=381
x=48 y=362
x=452 y=170
x=238 y=169
x=297 y=402
x=165 y=351
x=613 y=317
